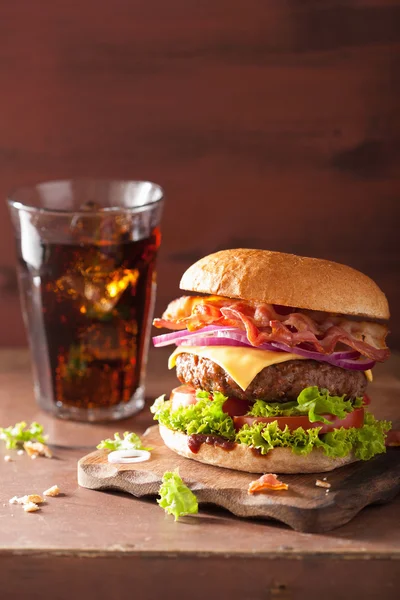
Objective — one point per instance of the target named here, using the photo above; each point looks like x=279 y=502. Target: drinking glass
x=86 y=267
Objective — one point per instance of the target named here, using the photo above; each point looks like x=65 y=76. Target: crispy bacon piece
x=393 y=438
x=191 y=312
x=177 y=311
x=266 y=482
x=262 y=323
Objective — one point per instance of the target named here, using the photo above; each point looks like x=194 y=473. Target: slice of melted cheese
x=242 y=364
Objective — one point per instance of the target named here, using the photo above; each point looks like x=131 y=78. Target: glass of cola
x=87 y=252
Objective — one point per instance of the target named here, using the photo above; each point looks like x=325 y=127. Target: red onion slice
x=312 y=354
x=213 y=341
x=214 y=335
x=176 y=336
x=346 y=359
x=348 y=354
x=361 y=364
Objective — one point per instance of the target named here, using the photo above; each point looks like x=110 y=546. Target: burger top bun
x=243 y=458
x=289 y=280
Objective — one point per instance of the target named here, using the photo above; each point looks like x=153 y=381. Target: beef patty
x=278 y=383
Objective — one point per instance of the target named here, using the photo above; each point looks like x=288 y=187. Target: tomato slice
x=353 y=419
x=236 y=407
x=184 y=395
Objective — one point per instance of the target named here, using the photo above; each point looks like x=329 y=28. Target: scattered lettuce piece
x=311 y=401
x=206 y=416
x=15 y=435
x=130 y=441
x=175 y=497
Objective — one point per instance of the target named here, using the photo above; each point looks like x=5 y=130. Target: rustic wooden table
x=88 y=544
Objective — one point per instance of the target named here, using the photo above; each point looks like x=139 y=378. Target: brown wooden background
x=270 y=123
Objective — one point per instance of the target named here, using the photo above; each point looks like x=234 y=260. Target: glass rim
x=91 y=212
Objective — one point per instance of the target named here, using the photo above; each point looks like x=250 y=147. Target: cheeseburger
x=274 y=359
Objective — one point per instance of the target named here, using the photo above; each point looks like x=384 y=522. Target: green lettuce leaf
x=130 y=441
x=273 y=409
x=206 y=416
x=15 y=435
x=312 y=401
x=267 y=437
x=365 y=441
x=175 y=497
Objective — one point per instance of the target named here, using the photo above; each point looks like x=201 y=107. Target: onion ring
x=128 y=456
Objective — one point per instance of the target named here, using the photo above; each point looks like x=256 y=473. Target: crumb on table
x=28 y=499
x=34 y=449
x=31 y=507
x=34 y=498
x=52 y=491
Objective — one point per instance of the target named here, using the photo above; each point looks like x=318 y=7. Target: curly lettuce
x=175 y=497
x=311 y=402
x=266 y=437
x=207 y=416
x=365 y=441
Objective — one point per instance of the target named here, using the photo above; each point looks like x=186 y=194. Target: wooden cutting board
x=304 y=506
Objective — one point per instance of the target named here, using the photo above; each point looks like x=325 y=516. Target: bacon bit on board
x=323 y=484
x=393 y=438
x=266 y=482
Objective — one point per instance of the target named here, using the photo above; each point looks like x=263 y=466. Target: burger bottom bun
x=243 y=458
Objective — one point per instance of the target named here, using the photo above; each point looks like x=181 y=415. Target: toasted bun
x=242 y=458
x=289 y=280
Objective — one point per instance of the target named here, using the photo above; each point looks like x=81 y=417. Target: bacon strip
x=281 y=333
x=191 y=312
x=266 y=482
x=262 y=323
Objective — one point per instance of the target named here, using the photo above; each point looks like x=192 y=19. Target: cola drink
x=95 y=302
x=87 y=289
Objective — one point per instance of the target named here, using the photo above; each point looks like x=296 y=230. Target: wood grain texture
x=258 y=578
x=270 y=124
x=304 y=506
